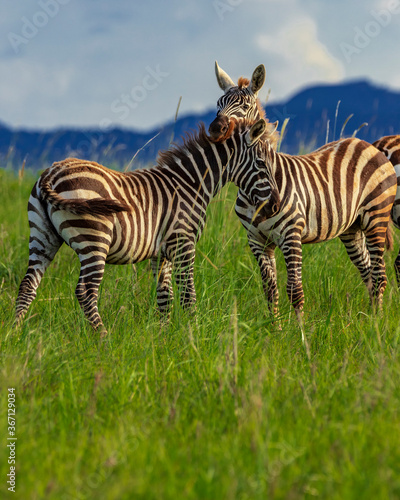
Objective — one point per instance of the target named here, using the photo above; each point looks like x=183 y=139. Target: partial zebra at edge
x=345 y=189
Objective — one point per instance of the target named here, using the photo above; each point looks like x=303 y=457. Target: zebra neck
x=200 y=167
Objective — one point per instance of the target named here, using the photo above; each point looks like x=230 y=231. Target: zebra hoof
x=102 y=332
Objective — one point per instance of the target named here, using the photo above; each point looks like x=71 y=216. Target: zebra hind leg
x=38 y=263
x=184 y=266
x=162 y=272
x=396 y=221
x=44 y=242
x=356 y=248
x=91 y=274
x=397 y=269
x=375 y=240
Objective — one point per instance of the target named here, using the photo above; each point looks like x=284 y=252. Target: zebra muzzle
x=219 y=128
x=266 y=208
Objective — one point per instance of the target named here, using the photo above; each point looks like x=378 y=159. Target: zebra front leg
x=292 y=253
x=184 y=265
x=162 y=272
x=87 y=289
x=265 y=257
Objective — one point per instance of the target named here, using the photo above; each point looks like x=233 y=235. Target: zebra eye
x=246 y=107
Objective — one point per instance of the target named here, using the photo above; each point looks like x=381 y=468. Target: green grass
x=224 y=407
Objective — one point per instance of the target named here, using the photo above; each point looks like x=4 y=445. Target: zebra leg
x=397 y=268
x=376 y=247
x=44 y=243
x=355 y=244
x=38 y=263
x=396 y=221
x=265 y=257
x=87 y=289
x=162 y=273
x=184 y=265
x=292 y=253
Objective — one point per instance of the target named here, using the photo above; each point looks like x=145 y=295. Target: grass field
x=224 y=407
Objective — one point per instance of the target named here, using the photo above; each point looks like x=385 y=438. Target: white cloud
x=93 y=53
x=303 y=58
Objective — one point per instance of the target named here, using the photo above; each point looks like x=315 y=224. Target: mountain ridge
x=315 y=113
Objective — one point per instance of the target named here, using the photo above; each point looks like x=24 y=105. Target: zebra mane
x=191 y=142
x=243 y=82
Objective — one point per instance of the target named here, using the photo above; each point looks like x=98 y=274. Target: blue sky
x=127 y=62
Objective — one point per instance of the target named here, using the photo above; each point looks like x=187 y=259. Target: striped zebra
x=157 y=213
x=345 y=189
x=241 y=100
x=390 y=146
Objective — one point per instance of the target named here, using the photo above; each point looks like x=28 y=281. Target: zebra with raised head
x=242 y=100
x=157 y=213
x=345 y=189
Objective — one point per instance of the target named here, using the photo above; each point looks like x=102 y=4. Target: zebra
x=242 y=100
x=156 y=213
x=345 y=189
x=390 y=146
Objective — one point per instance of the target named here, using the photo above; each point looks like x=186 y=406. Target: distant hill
x=309 y=112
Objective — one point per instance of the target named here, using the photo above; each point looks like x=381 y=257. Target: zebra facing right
x=345 y=189
x=157 y=213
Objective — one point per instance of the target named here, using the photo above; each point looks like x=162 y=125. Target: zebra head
x=238 y=101
x=253 y=173
x=241 y=100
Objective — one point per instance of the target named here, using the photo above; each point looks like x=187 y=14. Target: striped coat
x=158 y=213
x=345 y=189
x=390 y=145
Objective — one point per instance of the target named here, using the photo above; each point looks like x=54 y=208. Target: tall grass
x=227 y=406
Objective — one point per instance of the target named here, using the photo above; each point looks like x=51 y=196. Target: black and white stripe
x=158 y=213
x=390 y=146
x=345 y=189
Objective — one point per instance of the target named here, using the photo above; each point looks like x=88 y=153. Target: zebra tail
x=96 y=206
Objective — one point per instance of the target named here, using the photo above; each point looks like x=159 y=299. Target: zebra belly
x=117 y=239
x=278 y=228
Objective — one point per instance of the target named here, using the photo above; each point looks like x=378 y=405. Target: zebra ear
x=256 y=131
x=224 y=80
x=258 y=79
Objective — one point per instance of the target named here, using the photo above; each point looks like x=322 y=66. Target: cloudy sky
x=127 y=62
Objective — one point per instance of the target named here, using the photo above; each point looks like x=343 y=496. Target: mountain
x=309 y=112
x=311 y=109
